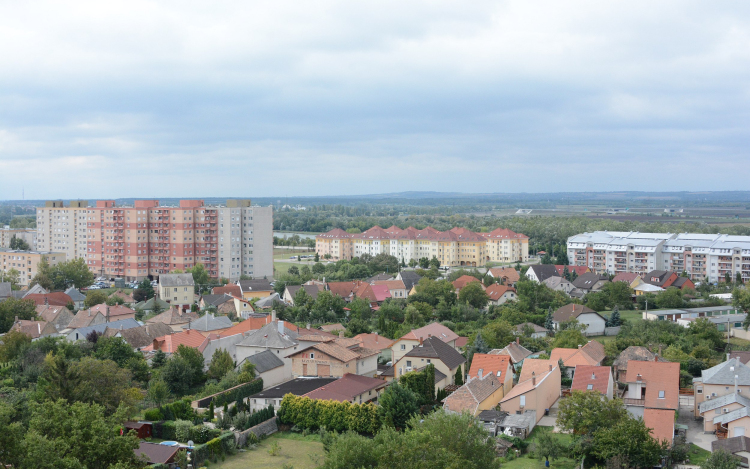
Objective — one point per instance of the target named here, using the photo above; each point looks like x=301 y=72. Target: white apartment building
x=245 y=234
x=27 y=234
x=700 y=255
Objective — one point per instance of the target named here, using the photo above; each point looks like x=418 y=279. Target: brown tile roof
x=83 y=318
x=127 y=298
x=156 y=454
x=365 y=291
x=535 y=365
x=51 y=313
x=571 y=311
x=578 y=269
x=503 y=233
x=495 y=291
x=661 y=422
x=470 y=396
x=743 y=356
x=55 y=298
x=626 y=277
x=229 y=289
x=461 y=342
x=332 y=327
x=596 y=376
x=344 y=289
x=514 y=350
x=114 y=311
x=374 y=341
x=595 y=350
x=346 y=388
x=173 y=316
x=434 y=329
x=333 y=350
x=658 y=376
x=490 y=364
x=33 y=329
x=392 y=284
x=525 y=386
x=140 y=337
x=508 y=273
x=571 y=357
x=464 y=280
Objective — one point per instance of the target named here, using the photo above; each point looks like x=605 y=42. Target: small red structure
x=142 y=429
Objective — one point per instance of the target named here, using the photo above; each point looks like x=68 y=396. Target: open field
x=296 y=451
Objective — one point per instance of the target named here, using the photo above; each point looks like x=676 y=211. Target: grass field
x=697 y=455
x=282 y=261
x=296 y=451
x=526 y=462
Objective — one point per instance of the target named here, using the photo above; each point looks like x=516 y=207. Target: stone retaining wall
x=269 y=427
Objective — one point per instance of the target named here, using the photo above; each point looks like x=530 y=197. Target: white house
x=593 y=321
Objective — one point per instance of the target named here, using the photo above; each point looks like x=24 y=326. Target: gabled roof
x=588 y=280
x=569 y=311
x=346 y=388
x=149 y=304
x=344 y=289
x=495 y=291
x=661 y=423
x=210 y=322
x=634 y=353
x=436 y=348
x=139 y=337
x=497 y=365
x=535 y=365
x=660 y=278
x=255 y=285
x=365 y=291
x=332 y=327
x=680 y=281
x=336 y=351
x=173 y=316
x=311 y=290
x=595 y=350
x=33 y=329
x=736 y=444
x=216 y=300
x=410 y=278
x=170 y=343
x=374 y=341
x=515 y=351
x=544 y=271
x=176 y=280
x=83 y=318
x=50 y=313
x=744 y=356
x=732 y=416
x=73 y=293
x=297 y=387
x=100 y=328
x=578 y=269
x=534 y=327
x=470 y=396
x=434 y=329
x=571 y=357
x=35 y=289
x=155 y=453
x=505 y=272
x=381 y=292
x=228 y=289
x=723 y=373
x=658 y=377
x=525 y=386
x=391 y=284
x=464 y=280
x=55 y=298
x=265 y=361
x=114 y=311
x=126 y=297
x=721 y=401
x=268 y=336
x=555 y=282
x=268 y=301
x=598 y=377
x=626 y=277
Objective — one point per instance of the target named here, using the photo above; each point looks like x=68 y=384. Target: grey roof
x=536 y=327
x=264 y=361
x=410 y=278
x=4 y=290
x=515 y=351
x=439 y=375
x=723 y=373
x=36 y=289
x=554 y=282
x=75 y=294
x=588 y=280
x=228 y=343
x=268 y=336
x=733 y=415
x=216 y=300
x=210 y=322
x=297 y=387
x=525 y=420
x=544 y=271
x=149 y=304
x=379 y=277
x=176 y=280
x=721 y=401
x=311 y=290
x=81 y=333
x=436 y=348
x=492 y=416
x=17 y=294
x=267 y=302
x=255 y=285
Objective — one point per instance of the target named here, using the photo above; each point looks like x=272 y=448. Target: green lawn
x=296 y=451
x=697 y=455
x=527 y=462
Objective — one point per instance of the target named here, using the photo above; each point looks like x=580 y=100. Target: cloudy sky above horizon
x=290 y=98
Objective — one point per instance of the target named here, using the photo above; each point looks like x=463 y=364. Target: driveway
x=551 y=419
x=695 y=428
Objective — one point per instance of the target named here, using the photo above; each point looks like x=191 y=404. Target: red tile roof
x=490 y=364
x=506 y=272
x=661 y=422
x=572 y=357
x=434 y=329
x=626 y=277
x=578 y=269
x=503 y=233
x=230 y=289
x=381 y=292
x=55 y=298
x=344 y=289
x=495 y=291
x=251 y=324
x=347 y=388
x=374 y=341
x=595 y=376
x=461 y=342
x=658 y=376
x=169 y=343
x=464 y=280
x=114 y=311
x=535 y=365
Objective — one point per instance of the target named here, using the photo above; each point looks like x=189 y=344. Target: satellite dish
x=190 y=444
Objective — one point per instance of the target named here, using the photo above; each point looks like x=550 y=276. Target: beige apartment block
x=26 y=262
x=27 y=234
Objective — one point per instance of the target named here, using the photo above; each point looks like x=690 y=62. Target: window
x=523 y=401
x=312 y=355
x=403 y=347
x=408 y=362
x=661 y=394
x=590 y=387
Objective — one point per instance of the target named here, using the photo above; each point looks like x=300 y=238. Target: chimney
x=735 y=383
x=341 y=334
x=593 y=376
x=308 y=326
x=189 y=322
x=273 y=315
x=39 y=331
x=16 y=319
x=550 y=367
x=420 y=342
x=518 y=340
x=533 y=378
x=638 y=378
x=429 y=335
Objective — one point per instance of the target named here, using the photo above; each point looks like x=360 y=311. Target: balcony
x=638 y=402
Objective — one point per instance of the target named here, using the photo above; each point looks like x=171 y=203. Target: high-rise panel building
x=148 y=239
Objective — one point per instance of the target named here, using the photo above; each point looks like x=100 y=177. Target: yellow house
x=476 y=395
x=259 y=288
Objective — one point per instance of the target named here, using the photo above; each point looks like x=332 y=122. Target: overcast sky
x=270 y=98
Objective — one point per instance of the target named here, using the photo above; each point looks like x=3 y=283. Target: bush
x=178 y=410
x=215 y=448
x=312 y=414
x=168 y=431
x=231 y=395
x=182 y=430
x=153 y=415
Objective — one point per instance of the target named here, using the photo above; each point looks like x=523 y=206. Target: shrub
x=182 y=430
x=233 y=394
x=153 y=415
x=215 y=448
x=307 y=413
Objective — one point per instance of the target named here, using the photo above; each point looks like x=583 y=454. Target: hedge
x=178 y=410
x=244 y=420
x=232 y=394
x=332 y=415
x=167 y=430
x=214 y=448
